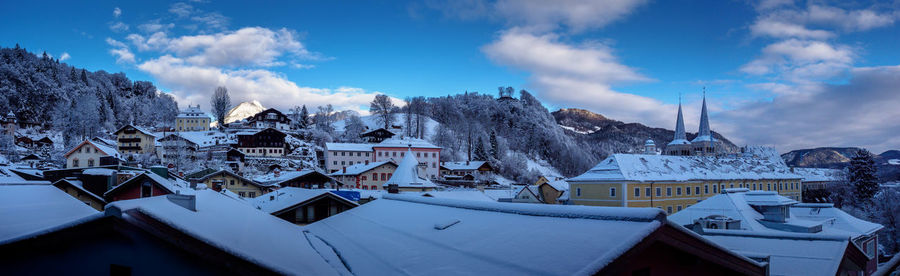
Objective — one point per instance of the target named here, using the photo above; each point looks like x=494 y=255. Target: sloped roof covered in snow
x=407 y=174
x=799 y=254
x=202 y=138
x=641 y=167
x=111 y=151
x=405 y=143
x=283 y=247
x=77 y=184
x=282 y=177
x=28 y=208
x=473 y=195
x=289 y=196
x=172 y=185
x=819 y=174
x=834 y=218
x=348 y=147
x=500 y=193
x=463 y=165
x=361 y=168
x=431 y=236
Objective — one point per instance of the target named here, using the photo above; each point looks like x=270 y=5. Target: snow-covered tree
x=861 y=174
x=383 y=109
x=353 y=128
x=220 y=104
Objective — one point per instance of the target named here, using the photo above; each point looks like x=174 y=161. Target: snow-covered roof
x=473 y=195
x=348 y=147
x=202 y=138
x=246 y=232
x=736 y=204
x=819 y=174
x=289 y=196
x=360 y=168
x=8 y=177
x=80 y=186
x=230 y=173
x=173 y=185
x=140 y=129
x=431 y=236
x=797 y=254
x=407 y=174
x=559 y=185
x=642 y=167
x=282 y=176
x=28 y=208
x=405 y=142
x=192 y=112
x=110 y=151
x=98 y=171
x=501 y=193
x=463 y=165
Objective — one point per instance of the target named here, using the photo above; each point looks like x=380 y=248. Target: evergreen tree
x=480 y=153
x=861 y=174
x=304 y=117
x=495 y=152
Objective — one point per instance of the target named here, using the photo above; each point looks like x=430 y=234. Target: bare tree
x=220 y=103
x=383 y=109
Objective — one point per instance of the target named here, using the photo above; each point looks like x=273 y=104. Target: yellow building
x=135 y=140
x=673 y=183
x=76 y=189
x=225 y=179
x=192 y=119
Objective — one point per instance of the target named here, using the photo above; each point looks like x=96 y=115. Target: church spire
x=680 y=137
x=704 y=119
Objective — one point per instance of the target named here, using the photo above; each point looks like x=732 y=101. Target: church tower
x=704 y=144
x=679 y=145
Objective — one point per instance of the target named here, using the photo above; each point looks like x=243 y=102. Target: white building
x=88 y=154
x=340 y=155
x=192 y=119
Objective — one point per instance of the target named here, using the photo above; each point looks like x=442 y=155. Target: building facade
x=366 y=176
x=263 y=143
x=225 y=179
x=673 y=183
x=134 y=140
x=88 y=154
x=340 y=155
x=270 y=118
x=192 y=119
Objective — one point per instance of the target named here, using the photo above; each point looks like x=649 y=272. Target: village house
x=340 y=155
x=89 y=154
x=225 y=179
x=366 y=176
x=147 y=184
x=268 y=142
x=466 y=172
x=192 y=119
x=75 y=188
x=527 y=194
x=190 y=145
x=377 y=135
x=308 y=178
x=270 y=118
x=167 y=235
x=673 y=183
x=302 y=206
x=135 y=140
x=407 y=177
x=794 y=238
x=480 y=238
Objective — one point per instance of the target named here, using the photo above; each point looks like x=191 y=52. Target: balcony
x=130 y=148
x=129 y=140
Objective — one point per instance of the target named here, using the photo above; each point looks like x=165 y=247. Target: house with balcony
x=270 y=118
x=268 y=142
x=192 y=119
x=131 y=139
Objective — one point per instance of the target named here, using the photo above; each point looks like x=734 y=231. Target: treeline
x=74 y=101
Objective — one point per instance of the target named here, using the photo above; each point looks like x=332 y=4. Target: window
x=668 y=191
x=335 y=162
x=706 y=189
x=678 y=208
x=367 y=154
x=768 y=186
x=242 y=194
x=383 y=176
x=754 y=186
x=577 y=191
x=231 y=183
x=637 y=192
x=252 y=194
x=374 y=176
x=697 y=190
x=343 y=163
x=90 y=162
x=647 y=191
x=395 y=154
x=359 y=154
x=678 y=191
x=335 y=153
x=612 y=192
x=687 y=190
x=146 y=189
x=418 y=154
x=715 y=188
x=343 y=153
x=669 y=210
x=658 y=191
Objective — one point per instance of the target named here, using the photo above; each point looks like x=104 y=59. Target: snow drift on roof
x=348 y=147
x=287 y=197
x=28 y=208
x=641 y=167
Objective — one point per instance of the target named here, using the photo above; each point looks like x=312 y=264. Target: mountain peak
x=244 y=110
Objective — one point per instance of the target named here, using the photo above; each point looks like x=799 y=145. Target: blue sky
x=773 y=69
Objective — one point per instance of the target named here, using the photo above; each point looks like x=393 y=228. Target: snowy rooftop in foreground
x=641 y=167
x=28 y=208
x=473 y=195
x=282 y=247
x=287 y=197
x=430 y=236
x=794 y=255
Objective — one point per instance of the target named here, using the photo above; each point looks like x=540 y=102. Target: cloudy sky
x=780 y=73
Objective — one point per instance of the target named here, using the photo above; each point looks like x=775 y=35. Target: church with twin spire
x=702 y=145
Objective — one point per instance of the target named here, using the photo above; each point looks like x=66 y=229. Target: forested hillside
x=74 y=101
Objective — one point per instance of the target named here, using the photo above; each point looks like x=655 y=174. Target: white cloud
x=574 y=14
x=782 y=29
x=813 y=115
x=118 y=27
x=121 y=51
x=214 y=21
x=117 y=12
x=193 y=83
x=65 y=56
x=577 y=75
x=798 y=60
x=154 y=26
x=181 y=9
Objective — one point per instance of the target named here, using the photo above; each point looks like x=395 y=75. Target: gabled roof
x=348 y=147
x=28 y=208
x=140 y=129
x=285 y=176
x=103 y=149
x=283 y=247
x=289 y=197
x=405 y=143
x=228 y=172
x=80 y=186
x=407 y=174
x=531 y=189
x=464 y=165
x=484 y=238
x=642 y=167
x=171 y=186
x=473 y=195
x=361 y=168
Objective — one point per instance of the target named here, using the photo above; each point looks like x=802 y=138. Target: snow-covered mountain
x=244 y=110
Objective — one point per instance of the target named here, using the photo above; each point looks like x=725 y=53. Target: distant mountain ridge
x=839 y=158
x=244 y=110
x=615 y=136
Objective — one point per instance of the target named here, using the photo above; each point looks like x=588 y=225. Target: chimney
x=160 y=170
x=345 y=169
x=367 y=162
x=467 y=162
x=187 y=201
x=393 y=188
